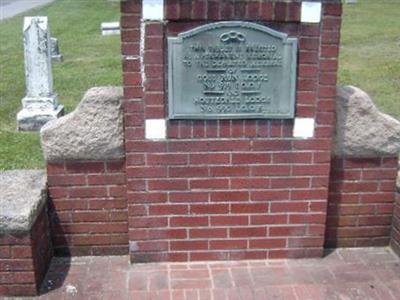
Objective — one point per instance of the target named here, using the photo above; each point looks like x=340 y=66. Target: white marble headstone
x=40 y=104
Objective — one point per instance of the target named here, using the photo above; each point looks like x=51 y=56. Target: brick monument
x=217 y=189
x=210 y=166
x=228 y=141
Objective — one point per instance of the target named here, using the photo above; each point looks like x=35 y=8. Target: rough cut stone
x=92 y=132
x=23 y=194
x=361 y=129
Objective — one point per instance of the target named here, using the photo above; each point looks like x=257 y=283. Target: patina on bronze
x=232 y=70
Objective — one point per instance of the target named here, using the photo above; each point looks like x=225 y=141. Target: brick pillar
x=227 y=189
x=25 y=258
x=395 y=238
x=361 y=201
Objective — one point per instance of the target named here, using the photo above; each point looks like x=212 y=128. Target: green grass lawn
x=89 y=60
x=370 y=51
x=369 y=59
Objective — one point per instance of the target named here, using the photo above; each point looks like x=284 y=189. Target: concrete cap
x=23 y=194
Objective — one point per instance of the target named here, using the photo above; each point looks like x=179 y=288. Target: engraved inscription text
x=230 y=72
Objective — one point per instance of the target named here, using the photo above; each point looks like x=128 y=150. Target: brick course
x=24 y=259
x=253 y=10
x=361 y=198
x=395 y=238
x=88 y=210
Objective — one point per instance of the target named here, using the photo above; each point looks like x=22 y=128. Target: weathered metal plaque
x=232 y=70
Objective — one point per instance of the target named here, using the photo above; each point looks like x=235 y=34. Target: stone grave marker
x=56 y=56
x=110 y=28
x=40 y=103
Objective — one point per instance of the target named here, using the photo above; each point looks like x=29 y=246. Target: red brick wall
x=237 y=189
x=227 y=189
x=24 y=259
x=395 y=241
x=361 y=197
x=88 y=210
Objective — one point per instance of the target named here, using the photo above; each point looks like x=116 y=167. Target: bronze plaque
x=232 y=70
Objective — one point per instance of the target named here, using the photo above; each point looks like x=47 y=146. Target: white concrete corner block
x=133 y=246
x=156 y=129
x=311 y=12
x=303 y=128
x=153 y=10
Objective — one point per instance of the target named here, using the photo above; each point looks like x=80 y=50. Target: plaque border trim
x=173 y=42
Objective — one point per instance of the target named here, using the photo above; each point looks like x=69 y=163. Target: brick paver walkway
x=371 y=273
